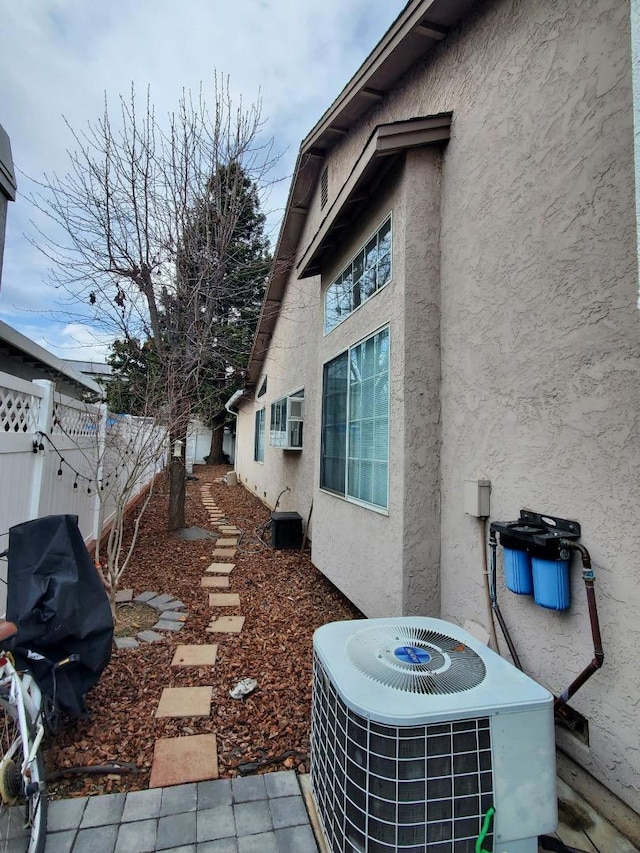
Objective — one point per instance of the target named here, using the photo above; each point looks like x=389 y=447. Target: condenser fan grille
x=415 y=660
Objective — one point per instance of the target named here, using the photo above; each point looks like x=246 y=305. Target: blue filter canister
x=551 y=583
x=517 y=571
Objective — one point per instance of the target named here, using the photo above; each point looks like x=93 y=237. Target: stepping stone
x=221 y=568
x=185 y=702
x=226 y=625
x=184 y=759
x=145 y=596
x=220 y=583
x=224 y=599
x=226 y=543
x=124 y=595
x=159 y=601
x=171 y=605
x=229 y=531
x=126 y=642
x=150 y=637
x=201 y=655
x=173 y=616
x=167 y=625
x=224 y=552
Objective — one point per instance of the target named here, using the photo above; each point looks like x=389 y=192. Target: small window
x=324 y=187
x=366 y=273
x=258 y=440
x=263 y=388
x=287 y=416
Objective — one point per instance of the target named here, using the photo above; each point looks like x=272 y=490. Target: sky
x=60 y=58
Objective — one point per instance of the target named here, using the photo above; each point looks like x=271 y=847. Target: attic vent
x=324 y=187
x=415 y=660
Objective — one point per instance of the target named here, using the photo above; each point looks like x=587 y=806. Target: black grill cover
x=59 y=604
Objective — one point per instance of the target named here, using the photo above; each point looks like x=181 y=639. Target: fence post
x=99 y=497
x=44 y=423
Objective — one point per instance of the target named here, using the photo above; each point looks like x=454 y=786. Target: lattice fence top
x=69 y=420
x=18 y=411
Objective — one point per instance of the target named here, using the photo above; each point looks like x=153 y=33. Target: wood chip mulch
x=284 y=599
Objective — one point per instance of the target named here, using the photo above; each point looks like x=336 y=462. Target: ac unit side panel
x=524 y=764
x=347 y=649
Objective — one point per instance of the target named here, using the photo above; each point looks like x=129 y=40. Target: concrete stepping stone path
x=198 y=655
x=212 y=581
x=226 y=543
x=230 y=553
x=226 y=625
x=224 y=599
x=221 y=568
x=185 y=702
x=184 y=759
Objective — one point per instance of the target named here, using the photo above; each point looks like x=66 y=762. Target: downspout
x=230 y=402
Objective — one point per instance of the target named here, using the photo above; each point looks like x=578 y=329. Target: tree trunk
x=216 y=456
x=177 y=494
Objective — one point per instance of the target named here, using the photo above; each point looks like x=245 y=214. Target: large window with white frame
x=258 y=439
x=355 y=422
x=364 y=275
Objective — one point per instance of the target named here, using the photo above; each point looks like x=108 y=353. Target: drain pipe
x=598 y=655
x=230 y=402
x=493 y=544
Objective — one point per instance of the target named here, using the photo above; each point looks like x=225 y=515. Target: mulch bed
x=284 y=599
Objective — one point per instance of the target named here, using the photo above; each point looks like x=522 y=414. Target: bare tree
x=131 y=451
x=149 y=214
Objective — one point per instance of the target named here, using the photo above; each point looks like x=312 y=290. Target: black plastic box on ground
x=286 y=530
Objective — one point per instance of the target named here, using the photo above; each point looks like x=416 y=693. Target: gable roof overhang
x=385 y=145
x=421 y=26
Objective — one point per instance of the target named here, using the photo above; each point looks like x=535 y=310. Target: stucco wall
x=538 y=345
x=358 y=548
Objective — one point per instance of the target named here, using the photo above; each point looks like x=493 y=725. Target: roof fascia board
x=406 y=22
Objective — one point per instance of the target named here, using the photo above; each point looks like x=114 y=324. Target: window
x=258 y=440
x=263 y=388
x=355 y=422
x=324 y=187
x=369 y=270
x=286 y=422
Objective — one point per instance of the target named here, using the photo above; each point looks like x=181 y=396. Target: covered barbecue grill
x=59 y=604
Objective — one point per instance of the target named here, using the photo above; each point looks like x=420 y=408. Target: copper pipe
x=598 y=653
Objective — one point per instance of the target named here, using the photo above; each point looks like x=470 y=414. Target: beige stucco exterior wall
x=515 y=347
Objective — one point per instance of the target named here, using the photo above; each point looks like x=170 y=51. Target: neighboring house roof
x=421 y=25
x=90 y=368
x=15 y=347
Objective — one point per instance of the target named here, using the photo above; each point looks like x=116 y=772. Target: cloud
x=61 y=56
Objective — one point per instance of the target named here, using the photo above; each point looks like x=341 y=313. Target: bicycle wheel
x=23 y=814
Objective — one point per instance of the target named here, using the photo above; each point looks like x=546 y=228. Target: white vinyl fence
x=59 y=455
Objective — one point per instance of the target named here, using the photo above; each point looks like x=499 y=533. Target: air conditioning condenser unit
x=422 y=736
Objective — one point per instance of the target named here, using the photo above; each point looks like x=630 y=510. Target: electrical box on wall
x=477 y=497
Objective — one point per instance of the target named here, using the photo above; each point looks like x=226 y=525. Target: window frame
x=333 y=288
x=259 y=435
x=280 y=438
x=349 y=421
